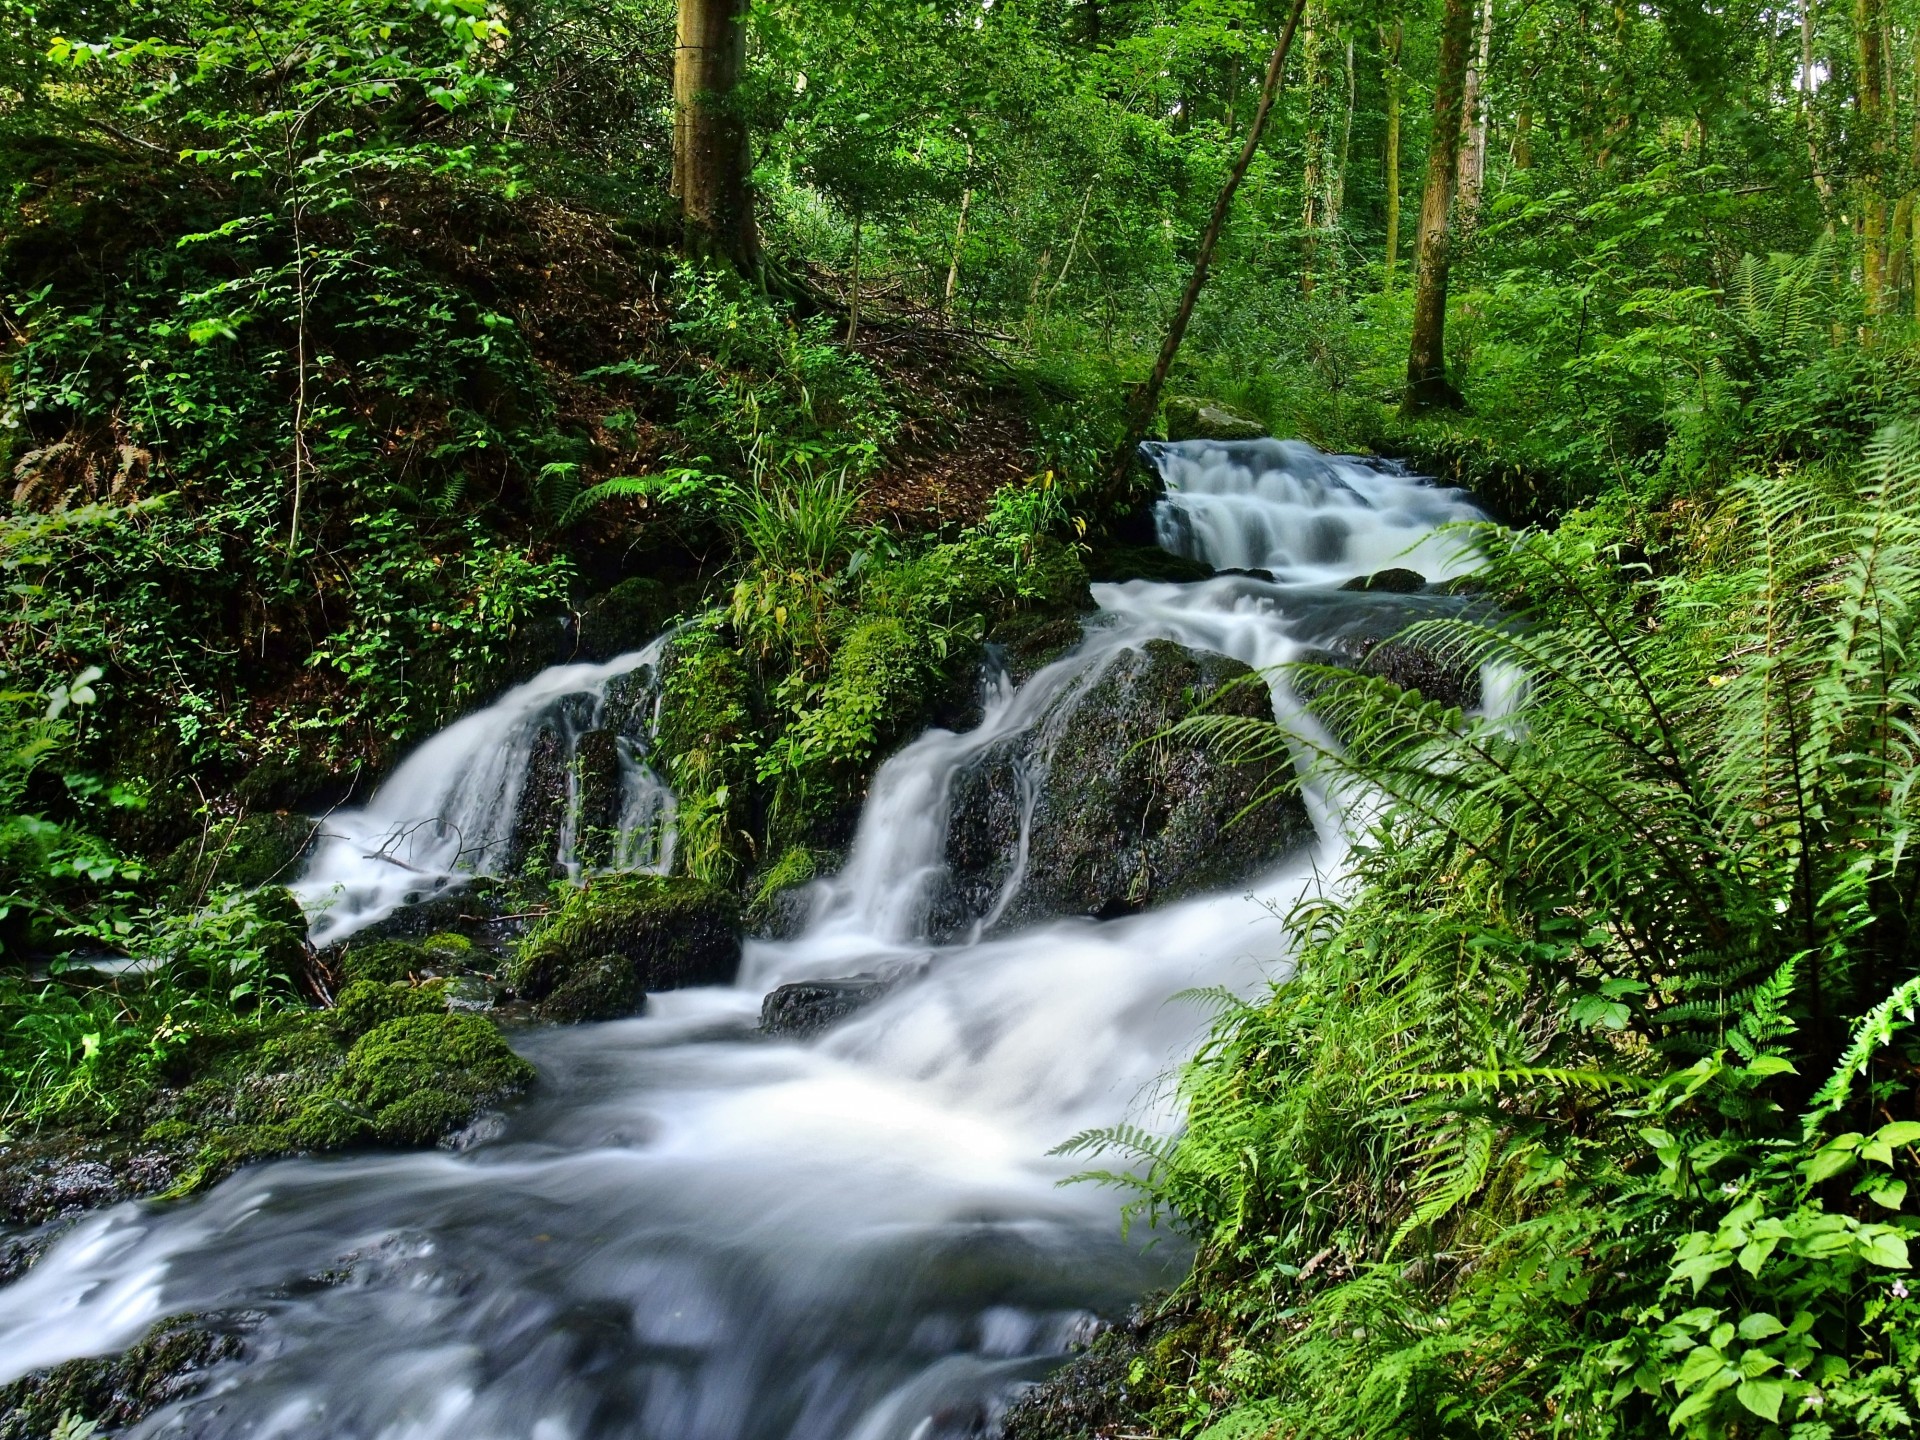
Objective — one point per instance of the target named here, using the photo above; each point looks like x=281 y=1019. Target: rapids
x=690 y=1233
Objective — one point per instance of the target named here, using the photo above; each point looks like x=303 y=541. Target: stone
x=1122 y=817
x=542 y=808
x=624 y=618
x=170 y=1362
x=1396 y=580
x=599 y=797
x=807 y=1007
x=1191 y=418
x=667 y=932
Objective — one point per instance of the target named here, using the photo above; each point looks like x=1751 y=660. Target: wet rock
x=1113 y=1386
x=624 y=618
x=807 y=1007
x=51 y=1176
x=1395 y=580
x=597 y=786
x=1030 y=640
x=667 y=932
x=1192 y=418
x=542 y=809
x=1121 y=818
x=412 y=1080
x=170 y=1362
x=1411 y=664
x=1112 y=563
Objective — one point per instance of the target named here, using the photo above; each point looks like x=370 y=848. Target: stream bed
x=689 y=1231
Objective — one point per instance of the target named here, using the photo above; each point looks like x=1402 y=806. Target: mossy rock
x=624 y=618
x=420 y=1077
x=1189 y=417
x=1114 y=563
x=701 y=746
x=168 y=1363
x=367 y=1004
x=1126 y=816
x=259 y=849
x=668 y=932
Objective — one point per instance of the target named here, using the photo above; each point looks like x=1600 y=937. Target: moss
x=704 y=743
x=262 y=849
x=166 y=1364
x=605 y=987
x=667 y=932
x=420 y=1076
x=367 y=1003
x=448 y=945
x=624 y=618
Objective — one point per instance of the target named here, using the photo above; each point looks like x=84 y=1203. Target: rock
x=542 y=808
x=1412 y=665
x=1112 y=1386
x=807 y=1007
x=414 y=1079
x=667 y=932
x=51 y=1176
x=1191 y=418
x=1395 y=580
x=1030 y=640
x=624 y=618
x=599 y=797
x=255 y=850
x=170 y=1362
x=1113 y=563
x=1119 y=820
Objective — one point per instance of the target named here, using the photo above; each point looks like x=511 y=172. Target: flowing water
x=690 y=1233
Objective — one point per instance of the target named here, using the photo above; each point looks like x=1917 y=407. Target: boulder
x=624 y=618
x=598 y=798
x=170 y=1362
x=1192 y=418
x=1395 y=580
x=1410 y=664
x=620 y=936
x=541 y=809
x=807 y=1007
x=1120 y=816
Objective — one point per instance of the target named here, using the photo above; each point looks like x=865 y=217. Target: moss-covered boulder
x=1190 y=417
x=1122 y=816
x=367 y=1004
x=703 y=746
x=624 y=618
x=168 y=1363
x=259 y=849
x=619 y=936
x=420 y=1077
x=439 y=954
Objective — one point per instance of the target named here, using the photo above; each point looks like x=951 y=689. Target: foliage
x=1590 y=1107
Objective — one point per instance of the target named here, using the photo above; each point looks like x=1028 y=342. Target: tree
x=710 y=150
x=1427 y=383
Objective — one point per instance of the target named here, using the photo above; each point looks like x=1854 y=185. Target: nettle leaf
x=1890 y=1195
x=1884 y=1246
x=1760 y=1325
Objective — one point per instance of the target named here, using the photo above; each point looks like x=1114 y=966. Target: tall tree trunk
x=1313 y=148
x=1871 y=97
x=1337 y=184
x=1427 y=384
x=1473 y=155
x=1820 y=181
x=1390 y=43
x=710 y=160
x=1147 y=399
x=853 y=290
x=959 y=239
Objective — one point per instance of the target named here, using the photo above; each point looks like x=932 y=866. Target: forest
x=779 y=371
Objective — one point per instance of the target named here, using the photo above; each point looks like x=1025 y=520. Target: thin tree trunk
x=1427 y=384
x=1337 y=186
x=1313 y=148
x=1473 y=156
x=710 y=160
x=853 y=292
x=1390 y=41
x=1871 y=97
x=1147 y=399
x=1820 y=181
x=1073 y=242
x=959 y=238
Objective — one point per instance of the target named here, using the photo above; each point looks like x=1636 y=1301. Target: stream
x=691 y=1232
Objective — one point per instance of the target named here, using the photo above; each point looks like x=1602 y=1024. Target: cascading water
x=687 y=1234
x=453 y=808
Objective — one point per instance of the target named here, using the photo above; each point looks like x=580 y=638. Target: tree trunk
x=710 y=160
x=1820 y=181
x=1313 y=149
x=853 y=291
x=1337 y=185
x=959 y=238
x=1473 y=155
x=1390 y=41
x=1871 y=97
x=1147 y=399
x=1427 y=384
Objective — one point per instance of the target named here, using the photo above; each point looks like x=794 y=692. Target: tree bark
x=1390 y=42
x=1427 y=384
x=1313 y=148
x=1147 y=398
x=853 y=290
x=710 y=159
x=959 y=239
x=1870 y=94
x=1473 y=156
x=1820 y=181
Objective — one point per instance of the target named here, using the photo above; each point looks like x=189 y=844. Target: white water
x=688 y=1234
x=447 y=812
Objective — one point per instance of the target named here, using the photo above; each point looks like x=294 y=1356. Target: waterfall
x=687 y=1233
x=449 y=811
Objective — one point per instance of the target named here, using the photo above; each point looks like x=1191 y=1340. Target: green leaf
x=1883 y=1246
x=1762 y=1397
x=1890 y=1195
x=1760 y=1325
